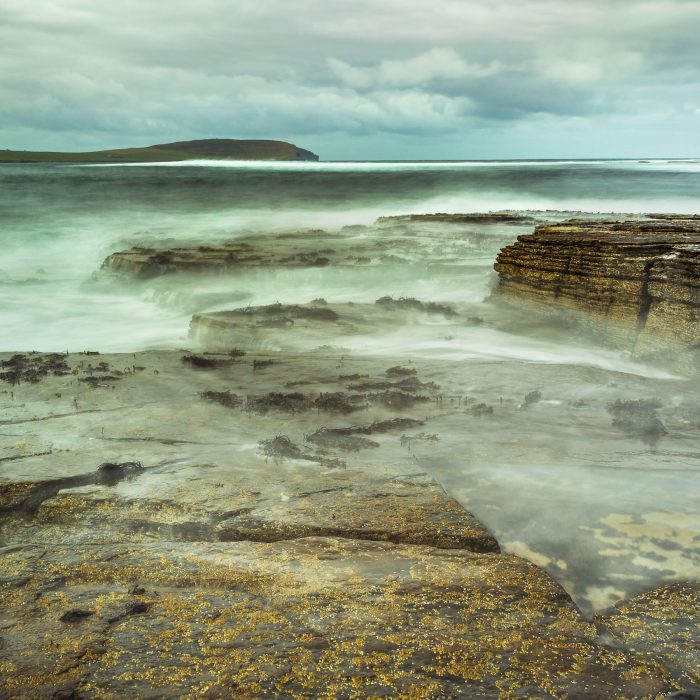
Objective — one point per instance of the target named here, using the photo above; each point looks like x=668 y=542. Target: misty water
x=607 y=513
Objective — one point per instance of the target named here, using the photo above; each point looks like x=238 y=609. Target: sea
x=605 y=513
x=59 y=222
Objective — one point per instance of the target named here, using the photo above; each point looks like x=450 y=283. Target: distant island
x=220 y=149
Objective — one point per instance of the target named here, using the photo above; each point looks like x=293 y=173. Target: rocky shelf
x=160 y=538
x=293 y=326
x=637 y=282
x=246 y=518
x=390 y=241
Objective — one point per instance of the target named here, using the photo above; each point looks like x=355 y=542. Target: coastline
x=325 y=469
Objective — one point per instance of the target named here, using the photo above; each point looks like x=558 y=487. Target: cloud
x=115 y=72
x=436 y=64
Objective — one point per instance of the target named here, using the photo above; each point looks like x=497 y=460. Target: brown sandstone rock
x=315 y=617
x=664 y=623
x=638 y=281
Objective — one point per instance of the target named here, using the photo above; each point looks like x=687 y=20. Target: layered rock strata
x=637 y=281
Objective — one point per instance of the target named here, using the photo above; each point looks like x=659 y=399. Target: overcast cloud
x=356 y=78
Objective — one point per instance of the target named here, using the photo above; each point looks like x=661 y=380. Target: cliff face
x=636 y=281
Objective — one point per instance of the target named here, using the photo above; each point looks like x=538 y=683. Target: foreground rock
x=638 y=281
x=663 y=623
x=162 y=538
x=188 y=447
x=307 y=618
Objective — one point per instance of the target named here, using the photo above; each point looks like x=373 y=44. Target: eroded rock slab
x=410 y=509
x=316 y=617
x=187 y=451
x=433 y=240
x=637 y=281
x=296 y=326
x=149 y=262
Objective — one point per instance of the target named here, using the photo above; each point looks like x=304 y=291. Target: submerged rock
x=404 y=241
x=341 y=439
x=298 y=326
x=406 y=303
x=638 y=418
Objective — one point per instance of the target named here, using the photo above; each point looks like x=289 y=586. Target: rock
x=347 y=504
x=532 y=397
x=403 y=242
x=411 y=510
x=637 y=282
x=76 y=615
x=409 y=303
x=664 y=623
x=638 y=418
x=145 y=263
x=222 y=557
x=165 y=455
x=476 y=218
x=301 y=619
x=207 y=362
x=330 y=437
x=293 y=327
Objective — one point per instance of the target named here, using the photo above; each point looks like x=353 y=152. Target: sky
x=356 y=79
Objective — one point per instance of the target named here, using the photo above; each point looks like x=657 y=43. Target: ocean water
x=58 y=222
x=605 y=513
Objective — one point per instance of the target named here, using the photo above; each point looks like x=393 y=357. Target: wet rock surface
x=402 y=240
x=305 y=618
x=305 y=250
x=258 y=515
x=183 y=547
x=636 y=280
x=293 y=327
x=663 y=623
x=215 y=472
